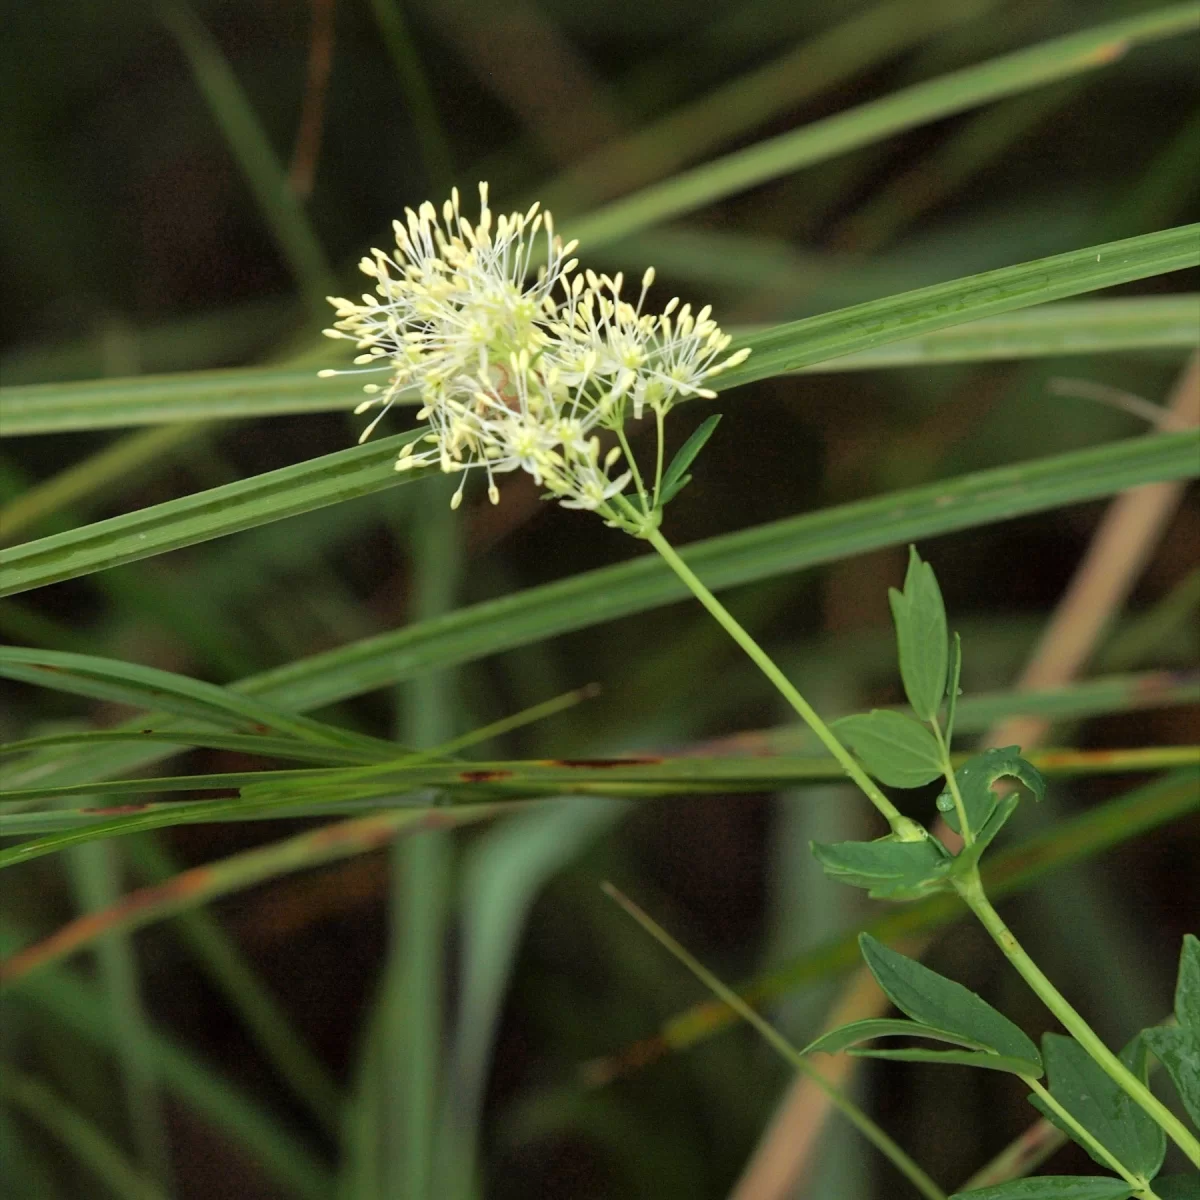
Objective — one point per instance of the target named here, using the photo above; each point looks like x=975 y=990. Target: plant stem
x=964 y=828
x=908 y=830
x=1098 y=1149
x=658 y=458
x=970 y=888
x=872 y=1132
x=637 y=475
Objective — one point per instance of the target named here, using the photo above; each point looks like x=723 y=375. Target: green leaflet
x=1100 y=1106
x=975 y=778
x=934 y=1000
x=1178 y=1049
x=887 y=868
x=922 y=637
x=893 y=747
x=675 y=477
x=874 y=1027
x=955 y=1058
x=1054 y=1187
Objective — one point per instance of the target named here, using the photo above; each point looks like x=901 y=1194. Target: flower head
x=519 y=362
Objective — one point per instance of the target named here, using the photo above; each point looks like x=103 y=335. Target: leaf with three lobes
x=935 y=1000
x=1100 y=1105
x=886 y=867
x=975 y=778
x=970 y=855
x=922 y=637
x=894 y=748
x=1178 y=1048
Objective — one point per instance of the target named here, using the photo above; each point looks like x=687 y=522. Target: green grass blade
x=773 y=549
x=608 y=593
x=1082 y=327
x=78 y=1136
x=815 y=64
x=422 y=108
x=233 y=974
x=187 y=396
x=503 y=873
x=364 y=469
x=191 y=889
x=250 y=146
x=910 y=314
x=1007 y=75
x=197 y=518
x=413 y=998
x=268 y=747
x=95 y=877
x=76 y=1003
x=1006 y=872
x=278 y=794
x=151 y=688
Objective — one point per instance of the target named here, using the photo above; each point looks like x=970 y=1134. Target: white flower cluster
x=521 y=361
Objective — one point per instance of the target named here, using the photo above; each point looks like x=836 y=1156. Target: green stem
x=1098 y=1149
x=859 y=1119
x=970 y=888
x=965 y=830
x=908 y=830
x=658 y=461
x=637 y=475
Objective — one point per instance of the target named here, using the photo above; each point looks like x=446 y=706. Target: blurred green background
x=141 y=233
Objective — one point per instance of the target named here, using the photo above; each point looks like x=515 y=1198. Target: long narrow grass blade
x=413 y=998
x=69 y=999
x=356 y=472
x=1081 y=327
x=233 y=974
x=881 y=322
x=503 y=872
x=94 y=871
x=605 y=594
x=250 y=146
x=278 y=794
x=1006 y=872
x=152 y=688
x=198 y=886
x=197 y=518
x=957 y=92
x=78 y=1136
x=899 y=1159
x=814 y=65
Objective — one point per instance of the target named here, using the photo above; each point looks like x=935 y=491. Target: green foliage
x=1178 y=1048
x=675 y=477
x=975 y=779
x=922 y=637
x=312 y=612
x=1100 y=1106
x=933 y=1000
x=895 y=749
x=875 y=1027
x=1053 y=1187
x=1178 y=1187
x=887 y=867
